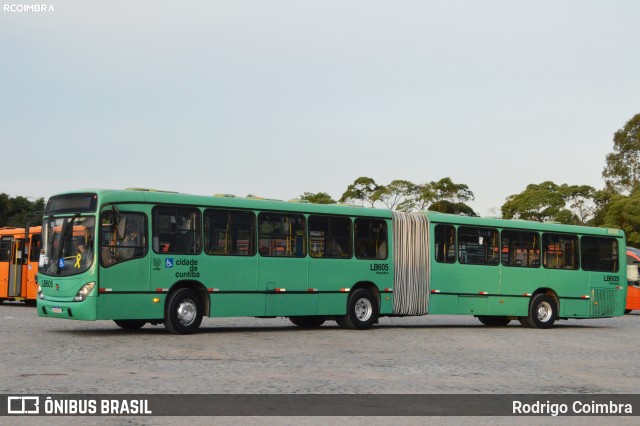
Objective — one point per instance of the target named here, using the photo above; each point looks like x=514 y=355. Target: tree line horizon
x=616 y=205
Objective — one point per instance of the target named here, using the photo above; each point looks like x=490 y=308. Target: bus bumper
x=85 y=310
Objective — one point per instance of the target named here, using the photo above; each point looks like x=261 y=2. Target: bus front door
x=6 y=248
x=15 y=269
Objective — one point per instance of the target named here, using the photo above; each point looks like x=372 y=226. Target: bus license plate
x=56 y=310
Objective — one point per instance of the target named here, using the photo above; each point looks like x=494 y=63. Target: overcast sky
x=276 y=98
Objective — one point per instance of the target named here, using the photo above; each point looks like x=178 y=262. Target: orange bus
x=633 y=290
x=19 y=255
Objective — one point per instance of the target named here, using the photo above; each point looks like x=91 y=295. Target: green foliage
x=14 y=211
x=446 y=206
x=569 y=204
x=318 y=198
x=402 y=195
x=622 y=169
x=397 y=192
x=624 y=213
x=361 y=192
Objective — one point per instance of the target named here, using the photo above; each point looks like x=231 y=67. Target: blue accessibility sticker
x=168 y=263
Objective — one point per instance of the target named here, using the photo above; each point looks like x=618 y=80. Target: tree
x=394 y=194
x=547 y=201
x=624 y=213
x=444 y=196
x=361 y=191
x=14 y=210
x=622 y=169
x=446 y=206
x=318 y=198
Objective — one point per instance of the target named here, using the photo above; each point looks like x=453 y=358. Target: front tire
x=183 y=312
x=543 y=311
x=362 y=311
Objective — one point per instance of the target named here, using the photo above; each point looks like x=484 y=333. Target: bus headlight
x=40 y=295
x=84 y=292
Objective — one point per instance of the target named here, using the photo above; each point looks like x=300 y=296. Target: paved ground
x=432 y=354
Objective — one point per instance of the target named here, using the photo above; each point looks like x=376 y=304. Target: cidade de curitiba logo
x=28 y=8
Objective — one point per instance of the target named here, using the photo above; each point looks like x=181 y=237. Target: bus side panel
x=237 y=304
x=288 y=304
x=633 y=297
x=511 y=306
x=443 y=304
x=332 y=303
x=234 y=281
x=574 y=308
x=330 y=276
x=119 y=306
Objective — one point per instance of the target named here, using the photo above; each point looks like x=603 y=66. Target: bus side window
x=329 y=237
x=599 y=254
x=445 y=244
x=560 y=251
x=478 y=246
x=229 y=232
x=520 y=249
x=122 y=238
x=281 y=234
x=371 y=238
x=34 y=250
x=177 y=230
x=5 y=248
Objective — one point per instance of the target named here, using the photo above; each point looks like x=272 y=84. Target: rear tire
x=362 y=311
x=183 y=312
x=543 y=311
x=307 y=321
x=130 y=324
x=493 y=321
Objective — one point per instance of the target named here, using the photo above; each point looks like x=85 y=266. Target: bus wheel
x=362 y=311
x=493 y=321
x=307 y=321
x=183 y=312
x=542 y=312
x=130 y=324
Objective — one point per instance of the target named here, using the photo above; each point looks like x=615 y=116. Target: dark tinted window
x=281 y=234
x=560 y=251
x=445 y=243
x=599 y=254
x=520 y=249
x=229 y=232
x=371 y=238
x=176 y=230
x=329 y=237
x=478 y=246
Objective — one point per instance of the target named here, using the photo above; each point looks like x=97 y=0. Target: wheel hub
x=186 y=312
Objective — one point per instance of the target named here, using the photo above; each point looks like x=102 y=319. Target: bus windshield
x=67 y=245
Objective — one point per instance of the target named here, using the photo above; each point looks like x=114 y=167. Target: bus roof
x=138 y=195
x=109 y=196
x=522 y=224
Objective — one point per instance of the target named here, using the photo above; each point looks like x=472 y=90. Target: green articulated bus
x=140 y=256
